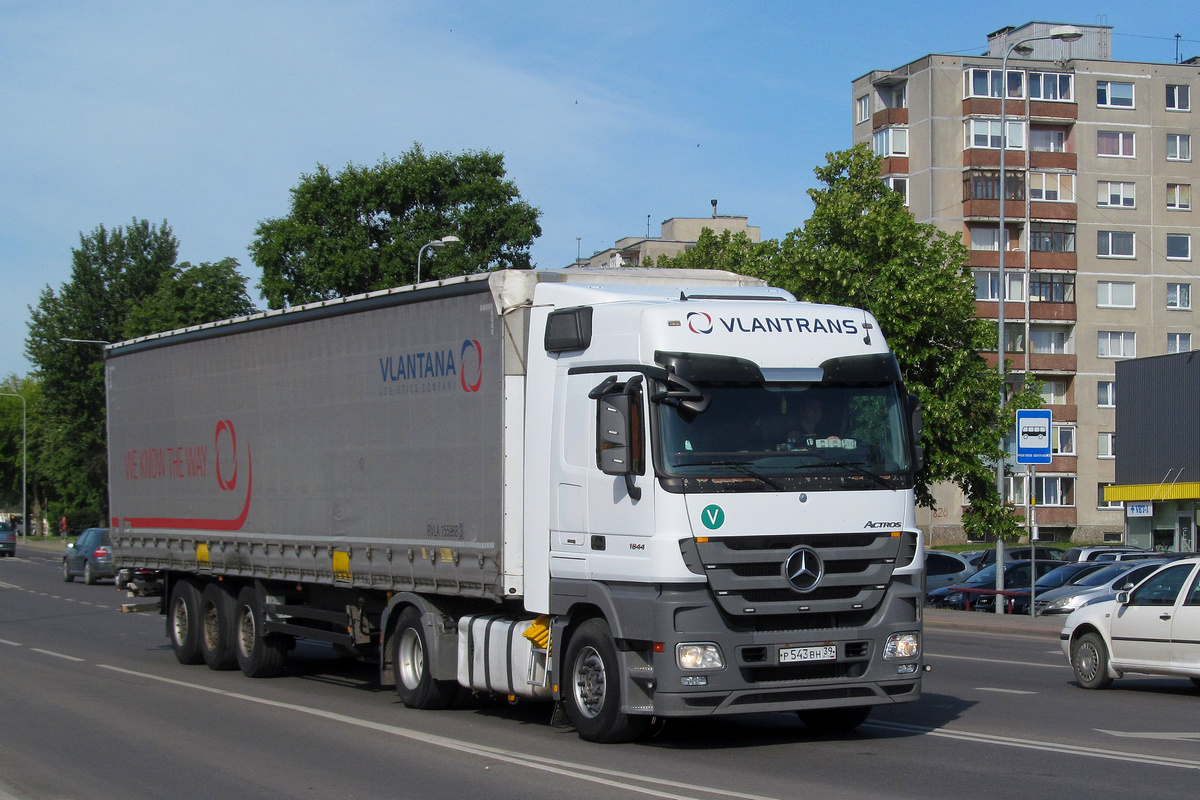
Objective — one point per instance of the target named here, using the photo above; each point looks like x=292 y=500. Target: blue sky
x=205 y=114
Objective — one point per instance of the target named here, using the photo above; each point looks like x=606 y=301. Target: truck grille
x=746 y=576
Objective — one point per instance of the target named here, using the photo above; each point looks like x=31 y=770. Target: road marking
x=6 y=641
x=1185 y=736
x=1029 y=744
x=56 y=655
x=9 y=586
x=1002 y=691
x=994 y=661
x=605 y=777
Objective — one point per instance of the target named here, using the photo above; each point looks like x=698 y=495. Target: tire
x=259 y=654
x=410 y=666
x=216 y=627
x=592 y=695
x=834 y=720
x=183 y=622
x=89 y=575
x=1089 y=658
x=1196 y=682
x=67 y=576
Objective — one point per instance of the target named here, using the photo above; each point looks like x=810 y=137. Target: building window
x=894 y=97
x=985 y=134
x=1106 y=444
x=1106 y=394
x=1115 y=144
x=1053 y=187
x=1014 y=490
x=891 y=142
x=899 y=186
x=1179 y=246
x=1179 y=295
x=987 y=82
x=988 y=281
x=1047 y=140
x=1050 y=341
x=1179 y=342
x=1179 y=147
x=1112 y=194
x=1114 y=94
x=1063 y=440
x=1114 y=244
x=1054 y=490
x=1116 y=344
x=1051 y=86
x=1179 y=196
x=985 y=185
x=862 y=109
x=1179 y=97
x=1052 y=237
x=1114 y=294
x=1101 y=502
x=1051 y=287
x=1054 y=393
x=1014 y=337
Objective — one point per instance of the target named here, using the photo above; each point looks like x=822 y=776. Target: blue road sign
x=1033 y=436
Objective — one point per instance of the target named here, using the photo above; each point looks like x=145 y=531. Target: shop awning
x=1152 y=491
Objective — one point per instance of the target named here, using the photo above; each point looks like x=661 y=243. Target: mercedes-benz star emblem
x=803 y=569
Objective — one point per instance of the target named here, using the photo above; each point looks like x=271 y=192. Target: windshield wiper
x=742 y=467
x=853 y=466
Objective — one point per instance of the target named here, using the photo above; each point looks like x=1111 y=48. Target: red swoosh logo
x=193 y=524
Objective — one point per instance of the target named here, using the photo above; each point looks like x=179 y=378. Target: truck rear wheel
x=592 y=698
x=216 y=627
x=410 y=663
x=183 y=619
x=259 y=654
x=834 y=720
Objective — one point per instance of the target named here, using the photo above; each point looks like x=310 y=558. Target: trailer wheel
x=593 y=695
x=183 y=621
x=1090 y=660
x=410 y=663
x=259 y=654
x=216 y=627
x=834 y=720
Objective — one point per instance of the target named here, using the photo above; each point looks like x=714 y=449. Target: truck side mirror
x=619 y=449
x=918 y=428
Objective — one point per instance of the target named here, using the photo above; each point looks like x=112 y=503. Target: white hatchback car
x=1153 y=629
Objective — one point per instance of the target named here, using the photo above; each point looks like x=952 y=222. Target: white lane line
x=994 y=661
x=14 y=644
x=1029 y=744
x=581 y=772
x=56 y=655
x=1184 y=736
x=1002 y=691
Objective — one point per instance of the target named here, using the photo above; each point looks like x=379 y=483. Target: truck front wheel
x=259 y=654
x=410 y=662
x=183 y=617
x=216 y=627
x=592 y=698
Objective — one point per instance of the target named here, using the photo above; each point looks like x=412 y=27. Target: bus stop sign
x=1033 y=436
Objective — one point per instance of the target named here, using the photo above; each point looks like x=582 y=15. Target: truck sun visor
x=569 y=329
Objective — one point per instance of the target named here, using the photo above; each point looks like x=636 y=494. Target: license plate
x=824 y=652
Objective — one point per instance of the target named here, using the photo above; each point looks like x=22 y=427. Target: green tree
x=124 y=282
x=361 y=230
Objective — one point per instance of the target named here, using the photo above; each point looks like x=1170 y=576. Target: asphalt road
x=94 y=705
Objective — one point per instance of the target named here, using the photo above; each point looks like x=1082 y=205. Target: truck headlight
x=902 y=645
x=699 y=655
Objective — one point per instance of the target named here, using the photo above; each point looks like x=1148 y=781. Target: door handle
x=1164 y=617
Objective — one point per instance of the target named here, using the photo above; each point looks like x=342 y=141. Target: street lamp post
x=24 y=456
x=436 y=244
x=1062 y=33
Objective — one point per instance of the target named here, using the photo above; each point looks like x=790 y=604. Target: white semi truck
x=639 y=493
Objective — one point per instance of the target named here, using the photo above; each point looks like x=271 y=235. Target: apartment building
x=1099 y=231
x=677 y=235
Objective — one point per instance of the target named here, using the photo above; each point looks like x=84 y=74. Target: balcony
x=1039 y=209
x=990 y=209
x=889 y=116
x=1064 y=413
x=1049 y=312
x=1043 y=259
x=987 y=157
x=1014 y=311
x=1048 y=110
x=983 y=106
x=1050 y=362
x=1013 y=259
x=1039 y=159
x=894 y=165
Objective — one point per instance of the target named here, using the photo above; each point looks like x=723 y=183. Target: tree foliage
x=362 y=229
x=862 y=248
x=124 y=283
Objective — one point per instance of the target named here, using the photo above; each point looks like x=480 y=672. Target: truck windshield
x=776 y=431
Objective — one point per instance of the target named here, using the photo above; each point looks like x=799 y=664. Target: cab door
x=1141 y=628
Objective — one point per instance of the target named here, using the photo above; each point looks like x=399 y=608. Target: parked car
x=1095 y=553
x=1098 y=585
x=1153 y=629
x=1019 y=553
x=89 y=556
x=8 y=539
x=976 y=593
x=946 y=569
x=1060 y=576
